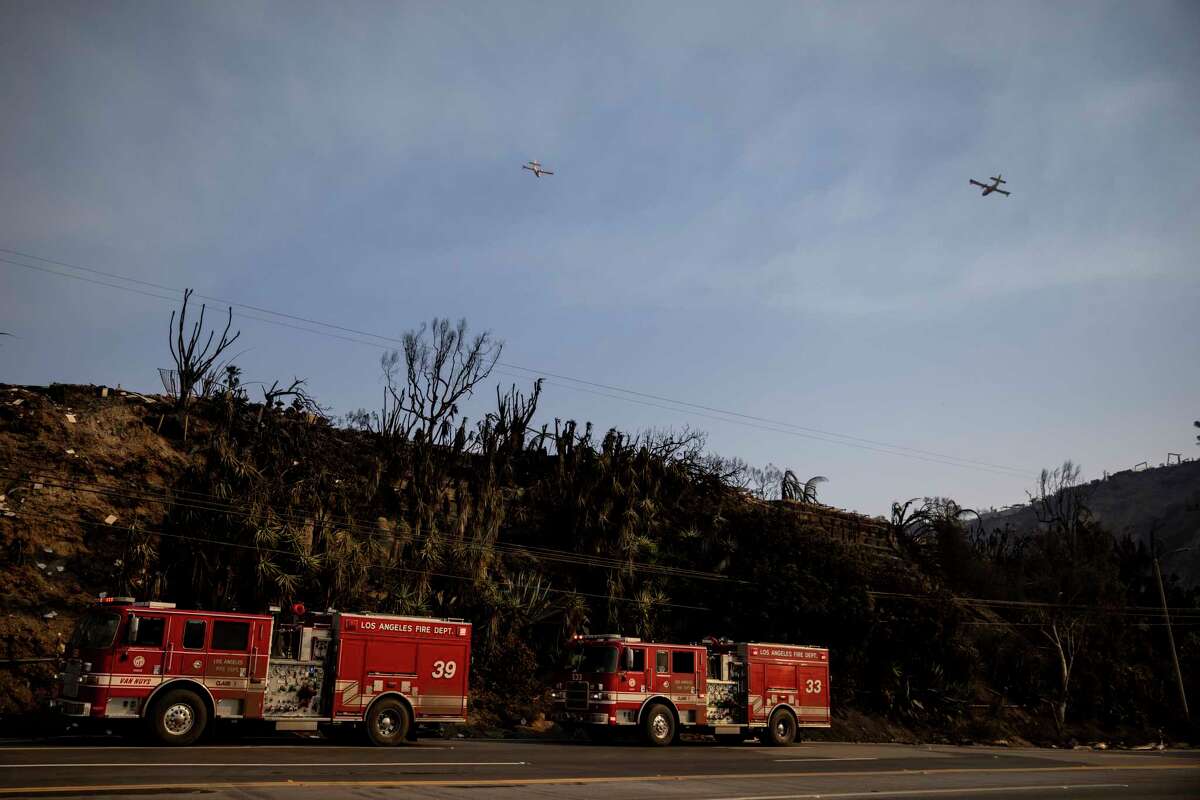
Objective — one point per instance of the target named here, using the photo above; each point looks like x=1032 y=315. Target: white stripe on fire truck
x=135 y=681
x=130 y=681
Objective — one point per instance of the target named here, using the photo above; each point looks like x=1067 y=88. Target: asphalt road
x=297 y=768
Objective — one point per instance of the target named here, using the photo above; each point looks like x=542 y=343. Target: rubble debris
x=110 y=519
x=142 y=397
x=39 y=564
x=50 y=615
x=17 y=402
x=48 y=549
x=104 y=391
x=59 y=568
x=71 y=418
x=70 y=452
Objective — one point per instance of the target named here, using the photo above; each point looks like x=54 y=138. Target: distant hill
x=1164 y=499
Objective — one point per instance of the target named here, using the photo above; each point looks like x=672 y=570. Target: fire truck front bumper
x=578 y=717
x=71 y=708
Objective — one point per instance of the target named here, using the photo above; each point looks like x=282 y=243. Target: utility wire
x=945 y=461
x=381 y=567
x=1142 y=612
x=1148 y=611
x=503 y=548
x=624 y=393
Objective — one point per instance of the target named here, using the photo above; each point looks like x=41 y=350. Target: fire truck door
x=187 y=652
x=228 y=660
x=633 y=673
x=675 y=672
x=684 y=672
x=143 y=655
x=662 y=671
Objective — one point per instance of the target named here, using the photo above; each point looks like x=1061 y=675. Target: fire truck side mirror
x=132 y=634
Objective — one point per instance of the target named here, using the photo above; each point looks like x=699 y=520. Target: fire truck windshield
x=96 y=631
x=594 y=659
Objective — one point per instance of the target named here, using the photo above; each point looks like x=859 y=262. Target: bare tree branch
x=442 y=366
x=192 y=366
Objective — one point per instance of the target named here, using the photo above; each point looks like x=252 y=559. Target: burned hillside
x=208 y=499
x=535 y=535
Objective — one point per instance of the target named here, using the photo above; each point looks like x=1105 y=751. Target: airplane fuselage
x=988 y=188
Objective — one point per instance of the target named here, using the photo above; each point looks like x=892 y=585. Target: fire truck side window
x=193 y=634
x=149 y=633
x=683 y=661
x=230 y=635
x=638 y=659
x=660 y=662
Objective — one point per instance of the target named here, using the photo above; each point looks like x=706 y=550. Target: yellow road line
x=449 y=782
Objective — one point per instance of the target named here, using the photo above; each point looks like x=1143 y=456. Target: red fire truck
x=178 y=670
x=733 y=690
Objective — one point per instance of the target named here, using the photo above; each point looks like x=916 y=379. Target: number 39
x=444 y=669
x=812 y=687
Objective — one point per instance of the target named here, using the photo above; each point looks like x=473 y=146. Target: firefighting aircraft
x=536 y=168
x=994 y=187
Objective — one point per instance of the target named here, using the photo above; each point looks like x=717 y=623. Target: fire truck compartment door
x=814 y=692
x=442 y=669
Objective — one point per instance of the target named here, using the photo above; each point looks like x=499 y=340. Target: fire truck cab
x=178 y=670
x=731 y=690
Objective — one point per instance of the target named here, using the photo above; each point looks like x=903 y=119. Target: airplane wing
x=1001 y=191
x=547 y=172
x=977 y=183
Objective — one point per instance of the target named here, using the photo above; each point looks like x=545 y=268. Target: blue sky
x=757 y=207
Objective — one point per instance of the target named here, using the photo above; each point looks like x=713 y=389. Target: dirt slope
x=62 y=544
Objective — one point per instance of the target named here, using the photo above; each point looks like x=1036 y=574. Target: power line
x=586 y=560
x=372 y=565
x=218 y=506
x=1148 y=611
x=1142 y=612
x=391 y=568
x=548 y=554
x=625 y=394
x=174 y=300
x=635 y=400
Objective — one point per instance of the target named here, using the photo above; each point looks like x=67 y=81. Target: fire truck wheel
x=388 y=723
x=781 y=730
x=179 y=718
x=658 y=726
